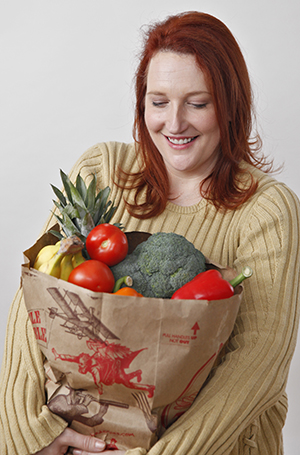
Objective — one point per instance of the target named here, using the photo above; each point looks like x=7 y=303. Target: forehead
x=169 y=70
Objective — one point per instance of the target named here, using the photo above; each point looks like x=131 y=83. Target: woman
x=193 y=170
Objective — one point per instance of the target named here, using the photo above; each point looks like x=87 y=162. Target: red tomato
x=107 y=243
x=93 y=275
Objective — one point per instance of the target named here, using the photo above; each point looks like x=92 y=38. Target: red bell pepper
x=210 y=285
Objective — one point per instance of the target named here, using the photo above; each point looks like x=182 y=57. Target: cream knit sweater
x=242 y=408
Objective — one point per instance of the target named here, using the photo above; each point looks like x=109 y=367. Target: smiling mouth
x=181 y=141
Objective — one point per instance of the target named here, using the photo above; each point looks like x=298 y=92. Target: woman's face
x=180 y=115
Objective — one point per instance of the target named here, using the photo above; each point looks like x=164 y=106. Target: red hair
x=220 y=58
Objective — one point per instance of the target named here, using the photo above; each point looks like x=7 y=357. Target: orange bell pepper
x=128 y=291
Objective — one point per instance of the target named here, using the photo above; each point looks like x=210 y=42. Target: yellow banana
x=77 y=259
x=45 y=254
x=66 y=267
x=69 y=246
x=52 y=267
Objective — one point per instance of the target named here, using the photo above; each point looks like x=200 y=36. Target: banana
x=77 y=259
x=68 y=246
x=52 y=267
x=66 y=267
x=45 y=254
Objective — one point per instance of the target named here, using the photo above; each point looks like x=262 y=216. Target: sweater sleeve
x=26 y=424
x=252 y=376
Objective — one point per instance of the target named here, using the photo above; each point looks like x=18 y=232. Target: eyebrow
x=199 y=92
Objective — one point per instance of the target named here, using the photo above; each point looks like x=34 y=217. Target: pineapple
x=82 y=208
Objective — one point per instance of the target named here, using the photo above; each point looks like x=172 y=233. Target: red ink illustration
x=110 y=360
x=185 y=399
x=107 y=365
x=112 y=445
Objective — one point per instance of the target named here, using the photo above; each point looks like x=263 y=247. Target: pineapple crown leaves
x=82 y=208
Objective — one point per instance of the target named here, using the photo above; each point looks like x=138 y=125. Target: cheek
x=215 y=131
x=209 y=125
x=152 y=120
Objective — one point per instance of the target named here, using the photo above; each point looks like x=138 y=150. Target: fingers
x=105 y=452
x=83 y=444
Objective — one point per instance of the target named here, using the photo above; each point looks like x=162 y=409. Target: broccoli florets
x=161 y=265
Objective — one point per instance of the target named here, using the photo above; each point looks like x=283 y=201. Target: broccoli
x=161 y=265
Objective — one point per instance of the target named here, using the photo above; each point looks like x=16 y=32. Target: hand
x=83 y=444
x=105 y=452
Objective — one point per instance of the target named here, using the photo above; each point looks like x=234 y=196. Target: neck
x=185 y=192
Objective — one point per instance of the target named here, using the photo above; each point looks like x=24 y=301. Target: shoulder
x=107 y=152
x=272 y=191
x=103 y=159
x=274 y=206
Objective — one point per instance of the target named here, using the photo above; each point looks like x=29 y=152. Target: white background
x=66 y=83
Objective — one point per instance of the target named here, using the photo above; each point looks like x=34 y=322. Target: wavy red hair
x=220 y=58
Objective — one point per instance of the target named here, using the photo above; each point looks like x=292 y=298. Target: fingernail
x=99 y=445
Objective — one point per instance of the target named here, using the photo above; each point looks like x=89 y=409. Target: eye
x=198 y=105
x=159 y=103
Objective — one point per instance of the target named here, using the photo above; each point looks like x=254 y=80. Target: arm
x=253 y=374
x=26 y=423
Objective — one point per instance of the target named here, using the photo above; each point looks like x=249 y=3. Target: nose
x=176 y=121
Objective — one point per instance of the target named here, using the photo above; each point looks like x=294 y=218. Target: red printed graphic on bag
x=107 y=365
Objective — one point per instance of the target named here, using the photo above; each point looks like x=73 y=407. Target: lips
x=181 y=141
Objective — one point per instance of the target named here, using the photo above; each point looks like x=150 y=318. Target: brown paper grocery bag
x=123 y=368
